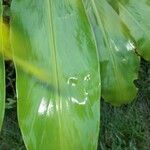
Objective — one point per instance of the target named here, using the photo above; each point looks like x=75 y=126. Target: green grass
x=122 y=128
x=125 y=128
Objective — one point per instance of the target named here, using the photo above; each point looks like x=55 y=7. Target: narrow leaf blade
x=2 y=81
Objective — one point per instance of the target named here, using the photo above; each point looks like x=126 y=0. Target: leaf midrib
x=53 y=49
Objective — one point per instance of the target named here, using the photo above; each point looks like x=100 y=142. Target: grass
x=122 y=128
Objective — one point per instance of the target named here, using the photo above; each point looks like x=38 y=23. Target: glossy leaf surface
x=58 y=110
x=2 y=87
x=119 y=63
x=135 y=14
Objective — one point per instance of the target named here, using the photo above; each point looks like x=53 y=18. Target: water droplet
x=87 y=77
x=72 y=81
x=130 y=46
x=78 y=102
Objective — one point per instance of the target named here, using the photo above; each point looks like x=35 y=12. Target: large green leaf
x=119 y=63
x=135 y=14
x=2 y=81
x=60 y=111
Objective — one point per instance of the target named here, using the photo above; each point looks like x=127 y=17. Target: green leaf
x=2 y=81
x=119 y=63
x=58 y=109
x=2 y=89
x=135 y=14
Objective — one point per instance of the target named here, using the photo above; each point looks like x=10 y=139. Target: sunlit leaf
x=119 y=63
x=56 y=37
x=6 y=50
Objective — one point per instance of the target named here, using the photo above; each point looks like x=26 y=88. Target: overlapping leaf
x=60 y=112
x=2 y=89
x=119 y=63
x=135 y=14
